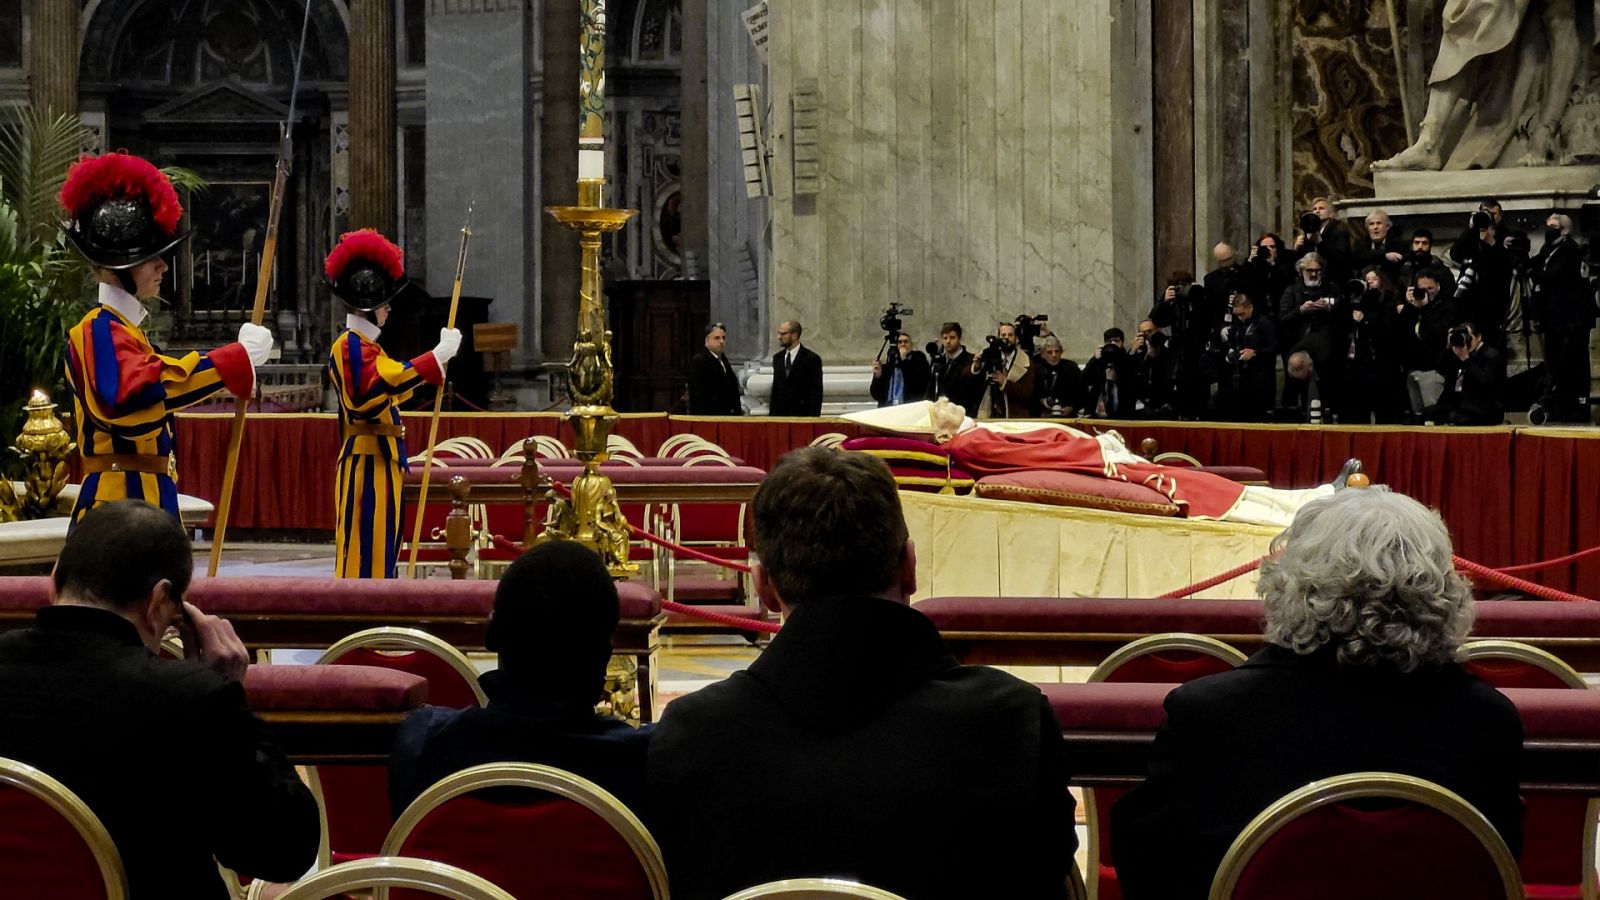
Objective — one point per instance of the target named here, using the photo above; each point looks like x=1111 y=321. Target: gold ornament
x=44 y=446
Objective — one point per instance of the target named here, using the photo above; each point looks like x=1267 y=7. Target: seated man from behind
x=554 y=612
x=882 y=760
x=1364 y=615
x=165 y=752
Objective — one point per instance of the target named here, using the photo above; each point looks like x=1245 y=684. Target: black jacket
x=797 y=391
x=913 y=372
x=1059 y=385
x=1420 y=333
x=1233 y=743
x=166 y=753
x=953 y=379
x=1563 y=298
x=713 y=386
x=1487 y=298
x=1376 y=253
x=880 y=758
x=520 y=724
x=1474 y=390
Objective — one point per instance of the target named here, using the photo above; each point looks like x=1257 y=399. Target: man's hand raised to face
x=211 y=641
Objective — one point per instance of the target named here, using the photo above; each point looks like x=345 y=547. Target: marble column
x=372 y=129
x=693 y=163
x=481 y=84
x=737 y=234
x=53 y=56
x=1172 y=35
x=558 y=177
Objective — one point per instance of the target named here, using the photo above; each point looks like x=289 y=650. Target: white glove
x=257 y=342
x=449 y=344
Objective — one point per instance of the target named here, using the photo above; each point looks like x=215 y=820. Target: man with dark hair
x=1483 y=290
x=554 y=612
x=165 y=752
x=902 y=377
x=796 y=375
x=952 y=371
x=1108 y=377
x=866 y=726
x=713 y=386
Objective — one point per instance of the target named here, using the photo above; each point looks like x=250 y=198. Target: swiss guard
x=366 y=271
x=123 y=215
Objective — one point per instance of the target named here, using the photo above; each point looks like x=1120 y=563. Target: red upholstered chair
x=1558 y=830
x=51 y=845
x=1374 y=835
x=428 y=877
x=1156 y=659
x=813 y=889
x=355 y=798
x=558 y=835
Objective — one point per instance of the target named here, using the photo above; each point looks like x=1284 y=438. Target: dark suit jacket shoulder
x=713 y=390
x=435 y=742
x=797 y=392
x=165 y=752
x=832 y=712
x=1233 y=743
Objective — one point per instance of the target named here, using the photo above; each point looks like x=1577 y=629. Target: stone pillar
x=736 y=260
x=694 y=161
x=372 y=149
x=558 y=177
x=1172 y=35
x=53 y=56
x=481 y=151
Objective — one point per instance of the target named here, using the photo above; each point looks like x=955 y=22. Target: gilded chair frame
x=1357 y=786
x=830 y=440
x=1165 y=458
x=386 y=872
x=1549 y=662
x=1154 y=643
x=551 y=780
x=69 y=806
x=813 y=889
x=1524 y=653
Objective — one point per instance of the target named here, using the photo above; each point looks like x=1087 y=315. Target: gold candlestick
x=592 y=515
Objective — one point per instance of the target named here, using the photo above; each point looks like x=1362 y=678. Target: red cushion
x=330 y=688
x=548 y=848
x=1565 y=714
x=24 y=592
x=619 y=474
x=446 y=686
x=41 y=854
x=706 y=589
x=1168 y=667
x=268 y=595
x=1109 y=706
x=1504 y=673
x=1339 y=851
x=1073 y=489
x=1235 y=473
x=886 y=444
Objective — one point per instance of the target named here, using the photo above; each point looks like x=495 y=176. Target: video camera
x=890 y=322
x=992 y=358
x=1028 y=329
x=1480 y=219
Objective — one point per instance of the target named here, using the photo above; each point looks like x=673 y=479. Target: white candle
x=591 y=162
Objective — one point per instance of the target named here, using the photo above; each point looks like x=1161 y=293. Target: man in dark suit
x=554 y=612
x=1363 y=679
x=165 y=752
x=1323 y=233
x=835 y=711
x=713 y=386
x=1564 y=302
x=796 y=376
x=1382 y=248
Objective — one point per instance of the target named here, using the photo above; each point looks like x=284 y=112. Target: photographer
x=1010 y=378
x=1153 y=368
x=1565 y=308
x=1421 y=257
x=1419 y=328
x=1382 y=248
x=1249 y=367
x=1483 y=290
x=1326 y=236
x=1474 y=378
x=1374 y=382
x=1310 y=320
x=1183 y=312
x=951 y=370
x=1057 y=381
x=1107 y=379
x=1269 y=271
x=903 y=376
x=1220 y=283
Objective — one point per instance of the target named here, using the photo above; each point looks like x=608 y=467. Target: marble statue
x=1506 y=73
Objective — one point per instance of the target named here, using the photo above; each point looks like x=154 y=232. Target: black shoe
x=1351 y=467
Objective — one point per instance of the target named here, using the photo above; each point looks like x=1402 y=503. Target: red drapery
x=1509 y=495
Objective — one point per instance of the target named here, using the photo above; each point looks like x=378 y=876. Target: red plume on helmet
x=121 y=210
x=365 y=270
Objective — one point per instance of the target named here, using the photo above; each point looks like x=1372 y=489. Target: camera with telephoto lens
x=890 y=322
x=1464 y=283
x=1311 y=224
x=1263 y=253
x=1481 y=219
x=1460 y=337
x=1419 y=293
x=992 y=359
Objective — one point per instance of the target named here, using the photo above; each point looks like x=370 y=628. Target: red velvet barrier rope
x=1521 y=584
x=1212 y=582
x=1549 y=563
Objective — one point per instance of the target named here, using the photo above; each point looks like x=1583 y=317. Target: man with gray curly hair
x=1364 y=617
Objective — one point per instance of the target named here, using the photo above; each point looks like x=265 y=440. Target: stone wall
x=978 y=159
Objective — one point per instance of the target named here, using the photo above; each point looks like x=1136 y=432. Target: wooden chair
x=1325 y=840
x=813 y=889
x=387 y=872
x=51 y=844
x=1549 y=820
x=354 y=799
x=1161 y=659
x=571 y=840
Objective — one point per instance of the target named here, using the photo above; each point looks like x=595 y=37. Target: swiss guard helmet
x=366 y=270
x=121 y=210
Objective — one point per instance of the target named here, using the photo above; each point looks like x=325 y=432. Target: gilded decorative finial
x=44 y=446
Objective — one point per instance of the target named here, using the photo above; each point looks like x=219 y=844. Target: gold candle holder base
x=592 y=516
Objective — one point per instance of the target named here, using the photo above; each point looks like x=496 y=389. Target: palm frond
x=35 y=151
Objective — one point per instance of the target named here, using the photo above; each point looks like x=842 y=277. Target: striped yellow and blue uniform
x=123 y=395
x=372 y=460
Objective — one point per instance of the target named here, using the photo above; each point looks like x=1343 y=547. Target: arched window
x=657 y=33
